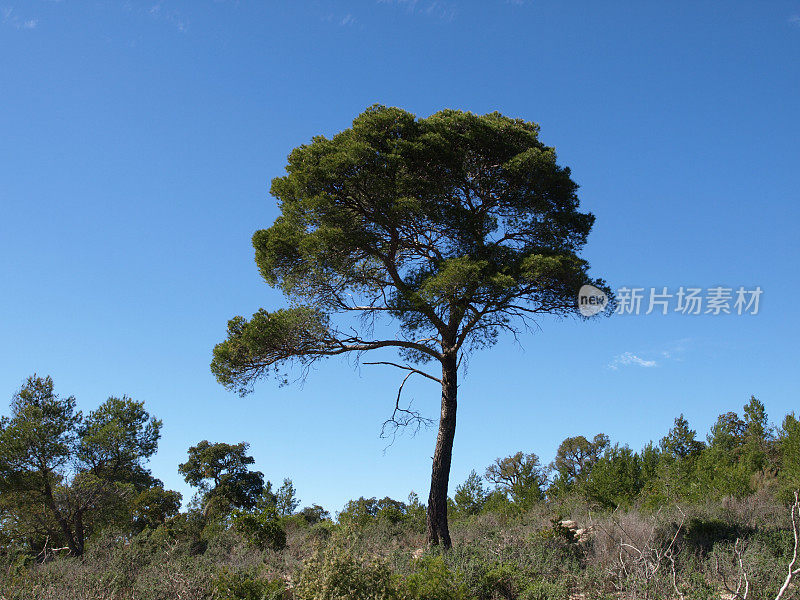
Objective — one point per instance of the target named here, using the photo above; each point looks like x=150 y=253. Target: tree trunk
x=438 y=532
x=75 y=548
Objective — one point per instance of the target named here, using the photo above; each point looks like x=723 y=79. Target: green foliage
x=153 y=506
x=546 y=590
x=261 y=526
x=511 y=545
x=116 y=438
x=701 y=534
x=507 y=227
x=680 y=442
x=336 y=575
x=222 y=474
x=232 y=585
x=314 y=514
x=471 y=495
x=519 y=476
x=63 y=475
x=789 y=449
x=286 y=501
x=616 y=478
x=576 y=456
x=433 y=580
x=364 y=510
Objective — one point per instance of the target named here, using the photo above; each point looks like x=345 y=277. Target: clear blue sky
x=138 y=139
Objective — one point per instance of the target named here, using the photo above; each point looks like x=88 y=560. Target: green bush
x=432 y=580
x=336 y=575
x=545 y=590
x=501 y=581
x=262 y=528
x=246 y=586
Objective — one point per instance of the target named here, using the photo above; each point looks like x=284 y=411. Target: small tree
x=576 y=456
x=286 y=501
x=615 y=479
x=789 y=447
x=520 y=476
x=681 y=443
x=154 y=506
x=471 y=495
x=222 y=474
x=456 y=226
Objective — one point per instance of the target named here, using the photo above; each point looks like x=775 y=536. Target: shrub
x=336 y=575
x=262 y=527
x=546 y=590
x=434 y=581
x=246 y=586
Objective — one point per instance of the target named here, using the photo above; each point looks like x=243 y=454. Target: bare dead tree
x=742 y=588
x=792 y=569
x=640 y=561
x=741 y=573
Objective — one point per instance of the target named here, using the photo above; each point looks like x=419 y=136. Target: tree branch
x=407 y=368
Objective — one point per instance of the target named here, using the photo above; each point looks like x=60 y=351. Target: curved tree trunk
x=438 y=532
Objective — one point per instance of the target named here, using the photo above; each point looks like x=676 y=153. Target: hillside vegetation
x=81 y=517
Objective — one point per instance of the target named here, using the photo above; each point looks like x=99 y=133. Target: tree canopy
x=222 y=473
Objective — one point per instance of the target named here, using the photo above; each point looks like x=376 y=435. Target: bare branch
x=404 y=417
x=407 y=368
x=792 y=570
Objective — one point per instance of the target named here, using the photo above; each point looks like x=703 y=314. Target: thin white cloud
x=438 y=9
x=13 y=19
x=347 y=20
x=630 y=359
x=794 y=20
x=170 y=16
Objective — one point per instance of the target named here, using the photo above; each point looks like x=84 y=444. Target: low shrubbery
x=527 y=556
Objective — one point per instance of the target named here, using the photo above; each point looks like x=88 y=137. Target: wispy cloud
x=794 y=20
x=347 y=20
x=167 y=15
x=630 y=359
x=15 y=20
x=673 y=351
x=438 y=9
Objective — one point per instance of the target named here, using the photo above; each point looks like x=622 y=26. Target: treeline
x=65 y=477
x=740 y=456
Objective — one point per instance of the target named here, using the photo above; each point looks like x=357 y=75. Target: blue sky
x=138 y=142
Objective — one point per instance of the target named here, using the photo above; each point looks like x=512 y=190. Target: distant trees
x=314 y=514
x=65 y=477
x=577 y=455
x=742 y=455
x=363 y=510
x=680 y=442
x=615 y=479
x=63 y=474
